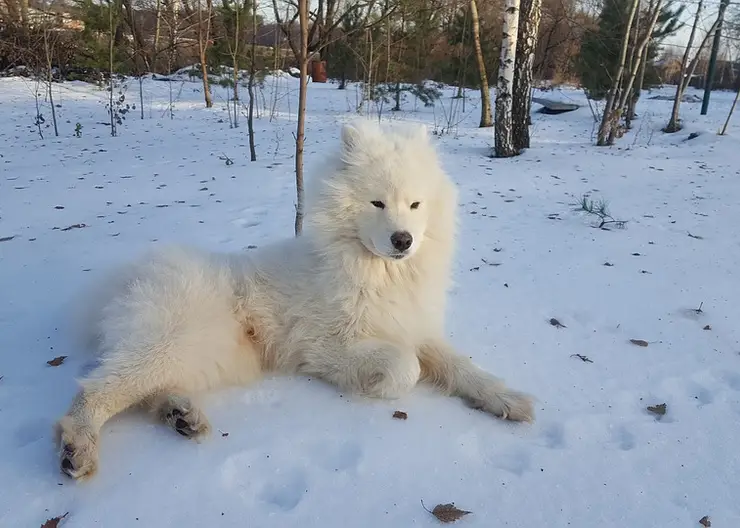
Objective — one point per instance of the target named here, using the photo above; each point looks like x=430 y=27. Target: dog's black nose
x=401 y=240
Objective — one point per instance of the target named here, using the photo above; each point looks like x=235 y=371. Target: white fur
x=339 y=303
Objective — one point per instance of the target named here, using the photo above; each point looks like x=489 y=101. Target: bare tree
x=486 y=119
x=627 y=90
x=111 y=46
x=300 y=132
x=252 y=72
x=204 y=36
x=529 y=23
x=674 y=124
x=49 y=42
x=503 y=140
x=611 y=98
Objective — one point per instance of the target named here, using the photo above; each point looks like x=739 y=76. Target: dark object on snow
x=687 y=98
x=554 y=107
x=693 y=135
x=318 y=71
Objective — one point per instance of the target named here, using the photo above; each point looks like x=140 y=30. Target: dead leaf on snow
x=447 y=513
x=639 y=342
x=400 y=415
x=658 y=410
x=53 y=523
x=56 y=361
x=583 y=358
x=7 y=238
x=73 y=226
x=704 y=521
x=708 y=327
x=697 y=237
x=557 y=324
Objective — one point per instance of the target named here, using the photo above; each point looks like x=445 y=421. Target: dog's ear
x=351 y=135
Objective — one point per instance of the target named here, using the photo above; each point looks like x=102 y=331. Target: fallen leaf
x=7 y=238
x=53 y=523
x=659 y=409
x=707 y=327
x=400 y=415
x=704 y=521
x=447 y=513
x=56 y=361
x=58 y=207
x=639 y=342
x=557 y=324
x=224 y=434
x=583 y=358
x=697 y=237
x=608 y=264
x=74 y=226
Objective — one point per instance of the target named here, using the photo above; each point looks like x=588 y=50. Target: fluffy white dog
x=358 y=300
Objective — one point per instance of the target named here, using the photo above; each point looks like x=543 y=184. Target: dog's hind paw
x=187 y=420
x=507 y=405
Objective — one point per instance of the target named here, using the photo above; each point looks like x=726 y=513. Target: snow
x=300 y=454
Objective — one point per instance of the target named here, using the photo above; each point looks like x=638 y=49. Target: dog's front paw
x=78 y=450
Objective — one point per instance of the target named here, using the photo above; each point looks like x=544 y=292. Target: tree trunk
x=609 y=114
x=732 y=109
x=252 y=72
x=486 y=119
x=235 y=65
x=529 y=23
x=638 y=89
x=111 y=44
x=397 y=107
x=300 y=132
x=50 y=78
x=627 y=89
x=203 y=36
x=673 y=124
x=157 y=30
x=503 y=141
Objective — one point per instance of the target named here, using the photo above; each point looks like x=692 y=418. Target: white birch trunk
x=503 y=140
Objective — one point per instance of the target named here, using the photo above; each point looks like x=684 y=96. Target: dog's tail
x=456 y=375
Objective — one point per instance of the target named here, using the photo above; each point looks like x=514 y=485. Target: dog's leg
x=456 y=375
x=178 y=411
x=372 y=368
x=78 y=431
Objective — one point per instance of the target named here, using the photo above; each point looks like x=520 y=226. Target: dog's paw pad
x=76 y=463
x=188 y=423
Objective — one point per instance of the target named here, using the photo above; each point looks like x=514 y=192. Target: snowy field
x=297 y=453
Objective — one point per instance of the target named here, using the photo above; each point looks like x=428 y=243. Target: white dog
x=358 y=300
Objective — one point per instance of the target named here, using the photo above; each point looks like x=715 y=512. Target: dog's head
x=385 y=191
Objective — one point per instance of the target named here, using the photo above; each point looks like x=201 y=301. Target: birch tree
x=252 y=72
x=529 y=23
x=626 y=91
x=611 y=98
x=674 y=123
x=300 y=132
x=486 y=118
x=503 y=141
x=204 y=36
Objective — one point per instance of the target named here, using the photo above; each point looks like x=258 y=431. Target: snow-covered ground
x=300 y=454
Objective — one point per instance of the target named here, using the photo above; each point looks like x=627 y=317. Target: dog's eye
x=378 y=204
x=415 y=205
